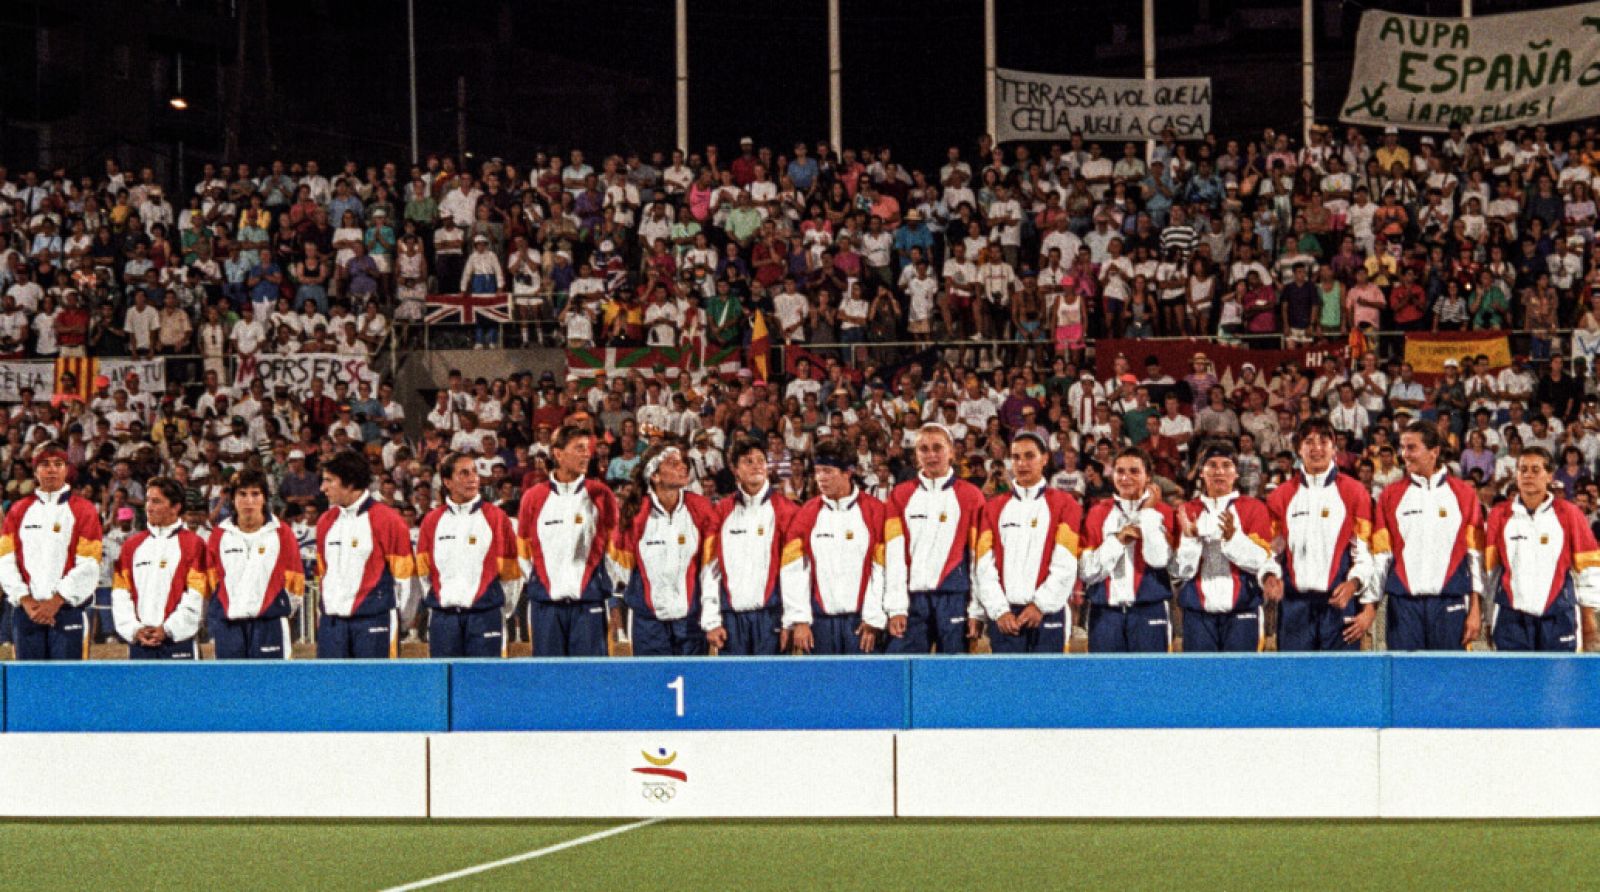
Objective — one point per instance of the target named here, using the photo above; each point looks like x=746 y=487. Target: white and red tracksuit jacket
x=1325 y=522
x=930 y=533
x=1533 y=557
x=566 y=531
x=1217 y=575
x=750 y=537
x=255 y=575
x=833 y=560
x=365 y=560
x=51 y=545
x=161 y=581
x=468 y=557
x=1117 y=575
x=1427 y=538
x=668 y=556
x=1027 y=551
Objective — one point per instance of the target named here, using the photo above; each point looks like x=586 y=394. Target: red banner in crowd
x=1176 y=356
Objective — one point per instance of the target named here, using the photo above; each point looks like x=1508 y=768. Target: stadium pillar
x=1149 y=64
x=1308 y=72
x=411 y=48
x=989 y=122
x=835 y=86
x=682 y=41
x=1466 y=9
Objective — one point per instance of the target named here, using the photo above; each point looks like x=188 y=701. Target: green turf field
x=699 y=856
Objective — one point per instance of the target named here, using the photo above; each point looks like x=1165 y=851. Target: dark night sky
x=913 y=69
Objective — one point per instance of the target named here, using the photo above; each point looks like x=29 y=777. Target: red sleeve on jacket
x=1255 y=522
x=1494 y=552
x=1094 y=524
x=425 y=533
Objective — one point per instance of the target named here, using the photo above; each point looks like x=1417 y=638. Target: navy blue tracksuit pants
x=1434 y=622
x=668 y=638
x=466 y=633
x=170 y=650
x=936 y=620
x=1048 y=637
x=751 y=633
x=1559 y=629
x=836 y=635
x=1311 y=623
x=247 y=639
x=1239 y=631
x=568 y=628
x=68 y=639
x=1144 y=627
x=358 y=637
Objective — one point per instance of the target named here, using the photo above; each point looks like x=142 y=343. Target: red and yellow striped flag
x=760 y=346
x=83 y=371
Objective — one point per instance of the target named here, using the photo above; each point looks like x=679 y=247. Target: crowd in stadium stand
x=999 y=269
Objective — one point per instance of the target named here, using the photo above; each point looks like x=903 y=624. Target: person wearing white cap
x=482 y=274
x=668 y=549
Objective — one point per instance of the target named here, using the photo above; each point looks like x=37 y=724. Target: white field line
x=525 y=856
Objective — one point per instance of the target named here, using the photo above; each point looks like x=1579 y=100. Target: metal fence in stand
x=1009 y=351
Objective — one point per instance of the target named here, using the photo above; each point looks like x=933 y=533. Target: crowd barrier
x=1364 y=735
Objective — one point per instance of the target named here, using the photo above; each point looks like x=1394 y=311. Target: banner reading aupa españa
x=1502 y=70
x=1051 y=106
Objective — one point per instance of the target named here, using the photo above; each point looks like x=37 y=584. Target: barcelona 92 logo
x=661 y=779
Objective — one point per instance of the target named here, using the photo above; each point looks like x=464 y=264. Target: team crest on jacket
x=661 y=780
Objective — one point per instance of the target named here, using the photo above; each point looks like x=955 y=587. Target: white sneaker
x=976 y=337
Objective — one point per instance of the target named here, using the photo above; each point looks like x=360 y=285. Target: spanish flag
x=760 y=346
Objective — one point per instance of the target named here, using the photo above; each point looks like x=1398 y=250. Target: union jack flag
x=464 y=309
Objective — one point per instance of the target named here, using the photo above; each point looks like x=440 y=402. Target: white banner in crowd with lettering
x=1510 y=70
x=1032 y=106
x=41 y=375
x=296 y=371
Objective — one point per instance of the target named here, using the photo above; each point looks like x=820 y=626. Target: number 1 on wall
x=677 y=685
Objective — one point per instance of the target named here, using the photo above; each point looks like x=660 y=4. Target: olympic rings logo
x=658 y=792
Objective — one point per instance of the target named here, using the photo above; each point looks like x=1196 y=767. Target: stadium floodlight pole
x=1149 y=66
x=835 y=80
x=989 y=83
x=682 y=38
x=411 y=46
x=1308 y=72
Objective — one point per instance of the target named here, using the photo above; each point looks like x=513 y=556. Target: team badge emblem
x=943 y=517
x=849 y=534
x=472 y=540
x=682 y=539
x=1325 y=512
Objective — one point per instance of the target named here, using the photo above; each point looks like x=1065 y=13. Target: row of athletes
x=756 y=574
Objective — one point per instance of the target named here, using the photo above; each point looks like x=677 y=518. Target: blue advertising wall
x=1169 y=691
